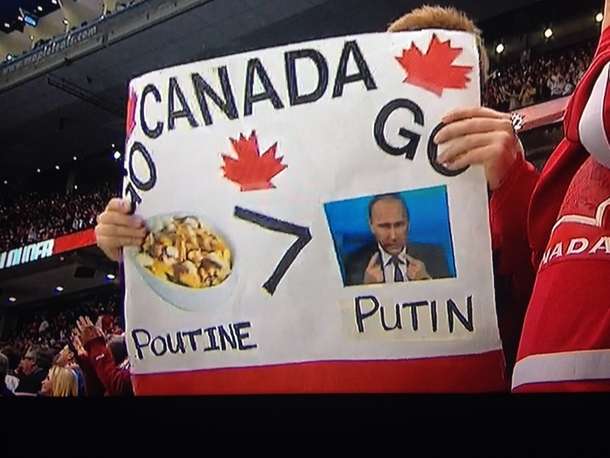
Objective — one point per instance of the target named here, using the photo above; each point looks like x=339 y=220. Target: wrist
x=497 y=172
x=93 y=343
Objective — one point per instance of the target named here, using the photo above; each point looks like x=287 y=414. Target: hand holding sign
x=479 y=136
x=116 y=228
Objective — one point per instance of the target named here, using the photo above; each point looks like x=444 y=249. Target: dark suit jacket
x=33 y=382
x=433 y=256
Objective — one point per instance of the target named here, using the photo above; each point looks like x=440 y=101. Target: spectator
x=114 y=375
x=514 y=96
x=105 y=321
x=43 y=326
x=556 y=83
x=118 y=349
x=560 y=70
x=67 y=358
x=569 y=87
x=528 y=94
x=35 y=367
x=60 y=382
x=13 y=362
x=5 y=392
x=32 y=235
x=62 y=319
x=33 y=218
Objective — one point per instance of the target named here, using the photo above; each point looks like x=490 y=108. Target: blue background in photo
x=429 y=210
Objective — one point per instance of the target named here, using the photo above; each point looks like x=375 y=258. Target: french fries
x=185 y=252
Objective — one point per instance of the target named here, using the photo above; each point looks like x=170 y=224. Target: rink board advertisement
x=47 y=248
x=301 y=236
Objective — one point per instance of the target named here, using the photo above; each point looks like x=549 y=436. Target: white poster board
x=302 y=237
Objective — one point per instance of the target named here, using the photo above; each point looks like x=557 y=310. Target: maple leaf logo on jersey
x=434 y=71
x=251 y=170
x=131 y=113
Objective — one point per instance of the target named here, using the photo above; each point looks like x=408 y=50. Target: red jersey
x=565 y=342
x=107 y=323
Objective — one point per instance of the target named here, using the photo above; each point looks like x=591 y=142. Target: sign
x=47 y=248
x=301 y=235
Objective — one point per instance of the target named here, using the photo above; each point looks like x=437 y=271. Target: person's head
x=13 y=357
x=389 y=222
x=36 y=358
x=118 y=348
x=60 y=382
x=3 y=368
x=448 y=18
x=65 y=357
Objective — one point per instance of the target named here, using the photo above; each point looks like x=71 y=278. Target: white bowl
x=183 y=297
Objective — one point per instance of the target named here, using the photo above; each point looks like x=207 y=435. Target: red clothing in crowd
x=559 y=221
x=115 y=380
x=105 y=322
x=93 y=385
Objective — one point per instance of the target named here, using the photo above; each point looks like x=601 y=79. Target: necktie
x=398 y=276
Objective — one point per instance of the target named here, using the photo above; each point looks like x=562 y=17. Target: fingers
x=474 y=112
x=475 y=156
x=115 y=231
x=468 y=143
x=464 y=127
x=119 y=206
x=114 y=243
x=108 y=234
x=113 y=218
x=118 y=228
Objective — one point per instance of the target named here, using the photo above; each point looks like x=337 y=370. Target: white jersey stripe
x=563 y=367
x=591 y=128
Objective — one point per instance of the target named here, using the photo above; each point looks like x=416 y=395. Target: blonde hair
x=448 y=18
x=63 y=382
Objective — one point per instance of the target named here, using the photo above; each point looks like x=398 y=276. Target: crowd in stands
x=32 y=218
x=120 y=6
x=76 y=349
x=536 y=79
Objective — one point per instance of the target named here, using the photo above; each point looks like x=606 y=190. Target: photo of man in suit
x=392 y=259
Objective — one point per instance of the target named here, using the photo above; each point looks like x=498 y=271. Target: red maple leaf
x=130 y=124
x=434 y=71
x=251 y=170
